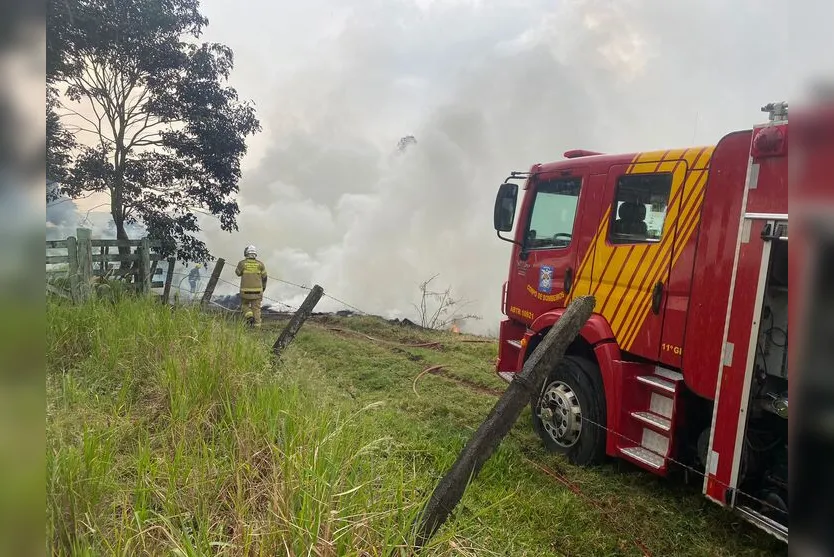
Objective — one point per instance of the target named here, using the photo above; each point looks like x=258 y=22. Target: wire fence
x=687 y=467
x=235 y=283
x=198 y=294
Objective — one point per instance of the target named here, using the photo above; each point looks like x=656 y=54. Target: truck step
x=644 y=456
x=651 y=419
x=657 y=383
x=669 y=374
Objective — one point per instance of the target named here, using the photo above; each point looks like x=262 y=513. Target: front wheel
x=569 y=410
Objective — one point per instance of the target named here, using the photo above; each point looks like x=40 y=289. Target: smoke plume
x=485 y=88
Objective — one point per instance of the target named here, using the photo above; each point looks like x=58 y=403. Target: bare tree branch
x=446 y=311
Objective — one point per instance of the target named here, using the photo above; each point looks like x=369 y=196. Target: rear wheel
x=568 y=408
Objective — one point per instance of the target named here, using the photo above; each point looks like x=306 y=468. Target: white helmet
x=250 y=251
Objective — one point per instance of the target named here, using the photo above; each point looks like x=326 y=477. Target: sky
x=486 y=88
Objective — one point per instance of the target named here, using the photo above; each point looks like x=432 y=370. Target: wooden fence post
x=212 y=283
x=72 y=272
x=105 y=265
x=169 y=277
x=144 y=277
x=500 y=420
x=85 y=262
x=298 y=320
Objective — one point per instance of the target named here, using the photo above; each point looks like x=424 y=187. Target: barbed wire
x=325 y=294
x=613 y=520
x=200 y=293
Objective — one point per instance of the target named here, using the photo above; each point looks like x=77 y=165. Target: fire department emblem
x=545 y=279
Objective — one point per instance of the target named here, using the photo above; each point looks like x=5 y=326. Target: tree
x=158 y=129
x=59 y=145
x=438 y=310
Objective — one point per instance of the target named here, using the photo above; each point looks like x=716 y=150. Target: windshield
x=553 y=213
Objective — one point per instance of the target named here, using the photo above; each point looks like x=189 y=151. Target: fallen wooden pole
x=297 y=320
x=500 y=420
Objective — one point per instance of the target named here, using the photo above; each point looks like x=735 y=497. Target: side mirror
x=505 y=203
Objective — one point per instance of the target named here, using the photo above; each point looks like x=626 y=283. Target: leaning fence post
x=500 y=420
x=212 y=283
x=85 y=262
x=169 y=277
x=144 y=266
x=72 y=261
x=298 y=320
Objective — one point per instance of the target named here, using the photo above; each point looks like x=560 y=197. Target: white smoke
x=65 y=215
x=485 y=88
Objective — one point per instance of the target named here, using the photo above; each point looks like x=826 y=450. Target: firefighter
x=194 y=278
x=252 y=275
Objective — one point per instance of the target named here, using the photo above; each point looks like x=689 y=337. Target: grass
x=169 y=432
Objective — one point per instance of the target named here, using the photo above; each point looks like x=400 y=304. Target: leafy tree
x=59 y=144
x=158 y=129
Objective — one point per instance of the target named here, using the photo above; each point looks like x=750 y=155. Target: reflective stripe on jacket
x=251 y=273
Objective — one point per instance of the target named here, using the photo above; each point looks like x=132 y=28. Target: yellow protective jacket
x=252 y=275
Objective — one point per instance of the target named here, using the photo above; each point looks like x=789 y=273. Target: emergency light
x=770 y=141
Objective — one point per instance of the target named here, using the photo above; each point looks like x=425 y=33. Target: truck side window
x=640 y=208
x=553 y=214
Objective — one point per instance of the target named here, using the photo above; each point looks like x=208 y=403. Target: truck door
x=753 y=381
x=633 y=248
x=545 y=268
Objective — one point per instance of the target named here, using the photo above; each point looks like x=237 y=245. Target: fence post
x=169 y=277
x=524 y=387
x=144 y=266
x=298 y=320
x=212 y=283
x=106 y=267
x=85 y=262
x=72 y=272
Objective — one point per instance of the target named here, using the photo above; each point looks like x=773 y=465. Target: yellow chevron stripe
x=647 y=267
x=690 y=227
x=633 y=321
x=613 y=258
x=690 y=216
x=636 y=269
x=642 y=302
x=583 y=273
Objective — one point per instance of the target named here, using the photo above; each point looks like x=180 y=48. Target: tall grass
x=170 y=433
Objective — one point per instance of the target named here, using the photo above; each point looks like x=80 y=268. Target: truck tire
x=571 y=392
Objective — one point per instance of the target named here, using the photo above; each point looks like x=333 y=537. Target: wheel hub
x=561 y=414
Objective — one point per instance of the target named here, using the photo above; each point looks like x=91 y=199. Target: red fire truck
x=684 y=361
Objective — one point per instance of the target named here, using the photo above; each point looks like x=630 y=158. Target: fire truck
x=683 y=364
